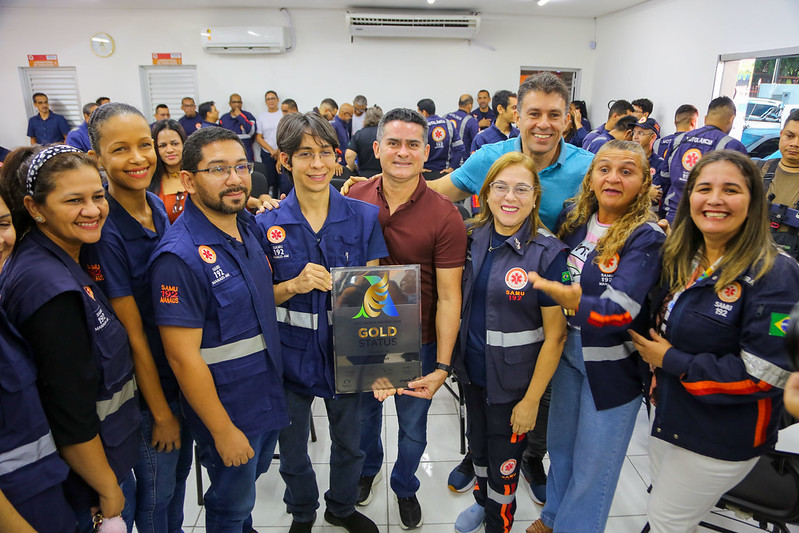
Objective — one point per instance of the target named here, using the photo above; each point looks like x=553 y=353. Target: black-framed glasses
x=223 y=171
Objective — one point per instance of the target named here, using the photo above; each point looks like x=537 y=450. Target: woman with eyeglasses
x=511 y=335
x=169 y=138
x=121 y=141
x=597 y=389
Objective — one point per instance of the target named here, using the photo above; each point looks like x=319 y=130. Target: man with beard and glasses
x=215 y=307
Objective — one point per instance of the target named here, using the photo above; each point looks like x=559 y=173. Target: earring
x=39 y=219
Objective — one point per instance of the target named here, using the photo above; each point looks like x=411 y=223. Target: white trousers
x=686 y=485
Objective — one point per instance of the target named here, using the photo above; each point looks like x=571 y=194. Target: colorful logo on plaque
x=377 y=300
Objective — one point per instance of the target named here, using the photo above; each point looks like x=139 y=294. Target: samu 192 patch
x=778 y=325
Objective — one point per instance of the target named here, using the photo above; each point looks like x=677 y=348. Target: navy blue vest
x=29 y=463
x=38 y=271
x=514 y=326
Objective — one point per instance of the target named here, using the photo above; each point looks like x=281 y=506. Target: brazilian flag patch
x=778 y=326
x=566 y=277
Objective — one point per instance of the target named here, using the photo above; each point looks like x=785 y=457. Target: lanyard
x=693 y=281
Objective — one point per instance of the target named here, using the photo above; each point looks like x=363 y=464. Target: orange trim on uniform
x=595 y=319
x=703 y=388
x=763 y=418
x=507 y=517
x=506 y=511
x=516 y=437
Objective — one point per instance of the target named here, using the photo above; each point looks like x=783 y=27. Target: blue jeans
x=586 y=447
x=346 y=457
x=231 y=497
x=412 y=418
x=128 y=486
x=157 y=482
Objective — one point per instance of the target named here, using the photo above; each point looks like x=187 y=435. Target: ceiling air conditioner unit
x=245 y=39
x=415 y=24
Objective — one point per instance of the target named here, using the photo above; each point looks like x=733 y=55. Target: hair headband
x=40 y=159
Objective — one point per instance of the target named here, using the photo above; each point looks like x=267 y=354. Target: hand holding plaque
x=377 y=334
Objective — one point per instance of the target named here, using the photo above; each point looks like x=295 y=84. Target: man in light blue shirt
x=542 y=116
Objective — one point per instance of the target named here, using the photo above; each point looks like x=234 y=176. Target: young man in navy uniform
x=214 y=305
x=620 y=108
x=688 y=148
x=446 y=147
x=504 y=106
x=316 y=228
x=464 y=123
x=685 y=119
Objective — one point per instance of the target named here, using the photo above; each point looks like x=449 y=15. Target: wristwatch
x=444 y=367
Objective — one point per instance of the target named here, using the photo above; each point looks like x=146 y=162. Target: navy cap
x=649 y=124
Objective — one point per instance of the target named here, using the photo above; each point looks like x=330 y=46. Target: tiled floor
x=440 y=506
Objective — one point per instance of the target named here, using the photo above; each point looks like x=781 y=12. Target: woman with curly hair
x=597 y=388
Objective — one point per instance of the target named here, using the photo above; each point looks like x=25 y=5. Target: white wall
x=667 y=50
x=390 y=73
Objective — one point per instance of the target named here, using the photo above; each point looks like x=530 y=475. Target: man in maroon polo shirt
x=420 y=226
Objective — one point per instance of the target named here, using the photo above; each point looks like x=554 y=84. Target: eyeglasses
x=223 y=171
x=310 y=156
x=188 y=105
x=235 y=101
x=500 y=188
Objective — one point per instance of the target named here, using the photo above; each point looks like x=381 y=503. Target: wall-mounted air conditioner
x=245 y=39
x=413 y=24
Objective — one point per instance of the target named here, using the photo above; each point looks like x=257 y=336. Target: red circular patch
x=508 y=467
x=611 y=266
x=276 y=234
x=730 y=293
x=516 y=278
x=207 y=254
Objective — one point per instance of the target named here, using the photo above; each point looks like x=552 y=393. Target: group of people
x=149 y=310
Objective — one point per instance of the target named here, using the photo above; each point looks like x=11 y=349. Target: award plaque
x=377 y=327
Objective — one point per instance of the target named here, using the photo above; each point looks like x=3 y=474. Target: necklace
x=496 y=238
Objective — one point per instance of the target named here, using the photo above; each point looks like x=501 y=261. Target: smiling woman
x=596 y=391
x=722 y=310
x=510 y=337
x=80 y=349
x=121 y=140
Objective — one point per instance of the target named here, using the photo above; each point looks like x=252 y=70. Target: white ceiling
x=555 y=8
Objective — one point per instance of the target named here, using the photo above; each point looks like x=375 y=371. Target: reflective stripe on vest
x=759 y=368
x=234 y=350
x=26 y=454
x=105 y=408
x=519 y=338
x=608 y=353
x=297 y=318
